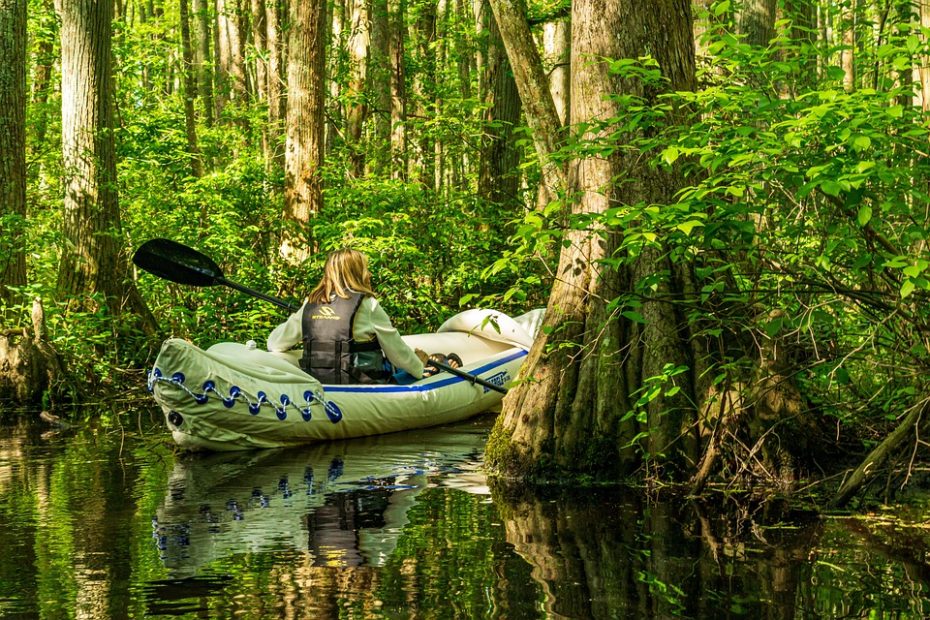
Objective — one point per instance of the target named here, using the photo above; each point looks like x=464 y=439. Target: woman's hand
x=424 y=357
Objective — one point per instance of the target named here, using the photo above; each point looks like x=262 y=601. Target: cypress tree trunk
x=12 y=146
x=533 y=87
x=190 y=91
x=202 y=60
x=422 y=168
x=397 y=11
x=379 y=66
x=498 y=177
x=848 y=18
x=582 y=377
x=356 y=107
x=260 y=42
x=42 y=74
x=756 y=20
x=305 y=128
x=92 y=259
x=557 y=45
x=925 y=58
x=277 y=101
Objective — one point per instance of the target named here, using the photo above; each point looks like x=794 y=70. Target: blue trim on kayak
x=383 y=389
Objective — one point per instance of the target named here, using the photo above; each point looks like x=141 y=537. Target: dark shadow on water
x=600 y=554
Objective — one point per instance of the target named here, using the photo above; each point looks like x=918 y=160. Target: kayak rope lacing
x=311 y=397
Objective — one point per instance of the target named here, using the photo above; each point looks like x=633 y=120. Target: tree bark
x=356 y=106
x=190 y=91
x=12 y=147
x=925 y=58
x=422 y=168
x=45 y=59
x=498 y=177
x=756 y=20
x=92 y=260
x=305 y=126
x=232 y=82
x=397 y=18
x=260 y=42
x=336 y=35
x=379 y=66
x=848 y=19
x=202 y=60
x=540 y=111
x=582 y=375
x=557 y=45
x=277 y=101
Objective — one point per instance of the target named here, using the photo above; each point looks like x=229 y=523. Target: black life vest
x=330 y=351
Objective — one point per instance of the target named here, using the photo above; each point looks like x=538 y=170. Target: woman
x=345 y=332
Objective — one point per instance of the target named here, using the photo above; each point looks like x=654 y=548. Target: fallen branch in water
x=877 y=457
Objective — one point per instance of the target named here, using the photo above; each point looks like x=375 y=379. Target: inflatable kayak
x=233 y=396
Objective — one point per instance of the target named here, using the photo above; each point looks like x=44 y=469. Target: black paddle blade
x=176 y=262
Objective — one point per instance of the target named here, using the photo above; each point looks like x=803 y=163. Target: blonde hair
x=345 y=270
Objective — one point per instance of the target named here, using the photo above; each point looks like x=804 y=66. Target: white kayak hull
x=233 y=397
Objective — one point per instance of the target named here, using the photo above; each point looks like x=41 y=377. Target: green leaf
x=860 y=142
x=670 y=154
x=721 y=8
x=831 y=188
x=687 y=227
x=912 y=271
x=636 y=317
x=907 y=288
x=865 y=215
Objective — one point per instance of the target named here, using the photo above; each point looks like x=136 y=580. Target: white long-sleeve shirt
x=371 y=321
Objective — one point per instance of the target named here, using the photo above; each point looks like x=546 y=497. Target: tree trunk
x=231 y=75
x=222 y=57
x=540 y=111
x=276 y=99
x=92 y=260
x=202 y=60
x=305 y=126
x=756 y=20
x=584 y=373
x=397 y=11
x=12 y=147
x=498 y=178
x=925 y=58
x=424 y=86
x=357 y=107
x=190 y=91
x=848 y=55
x=557 y=45
x=336 y=35
x=42 y=76
x=379 y=66
x=260 y=42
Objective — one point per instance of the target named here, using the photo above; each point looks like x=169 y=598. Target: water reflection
x=99 y=525
x=345 y=503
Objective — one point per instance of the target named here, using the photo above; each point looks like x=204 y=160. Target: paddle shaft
x=468 y=376
x=248 y=291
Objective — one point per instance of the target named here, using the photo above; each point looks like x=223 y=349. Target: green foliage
x=804 y=215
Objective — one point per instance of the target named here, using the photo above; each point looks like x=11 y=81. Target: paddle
x=179 y=263
x=468 y=376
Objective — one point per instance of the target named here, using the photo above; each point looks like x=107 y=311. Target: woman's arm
x=372 y=319
x=287 y=334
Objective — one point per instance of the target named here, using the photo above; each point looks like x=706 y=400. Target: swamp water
x=97 y=524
